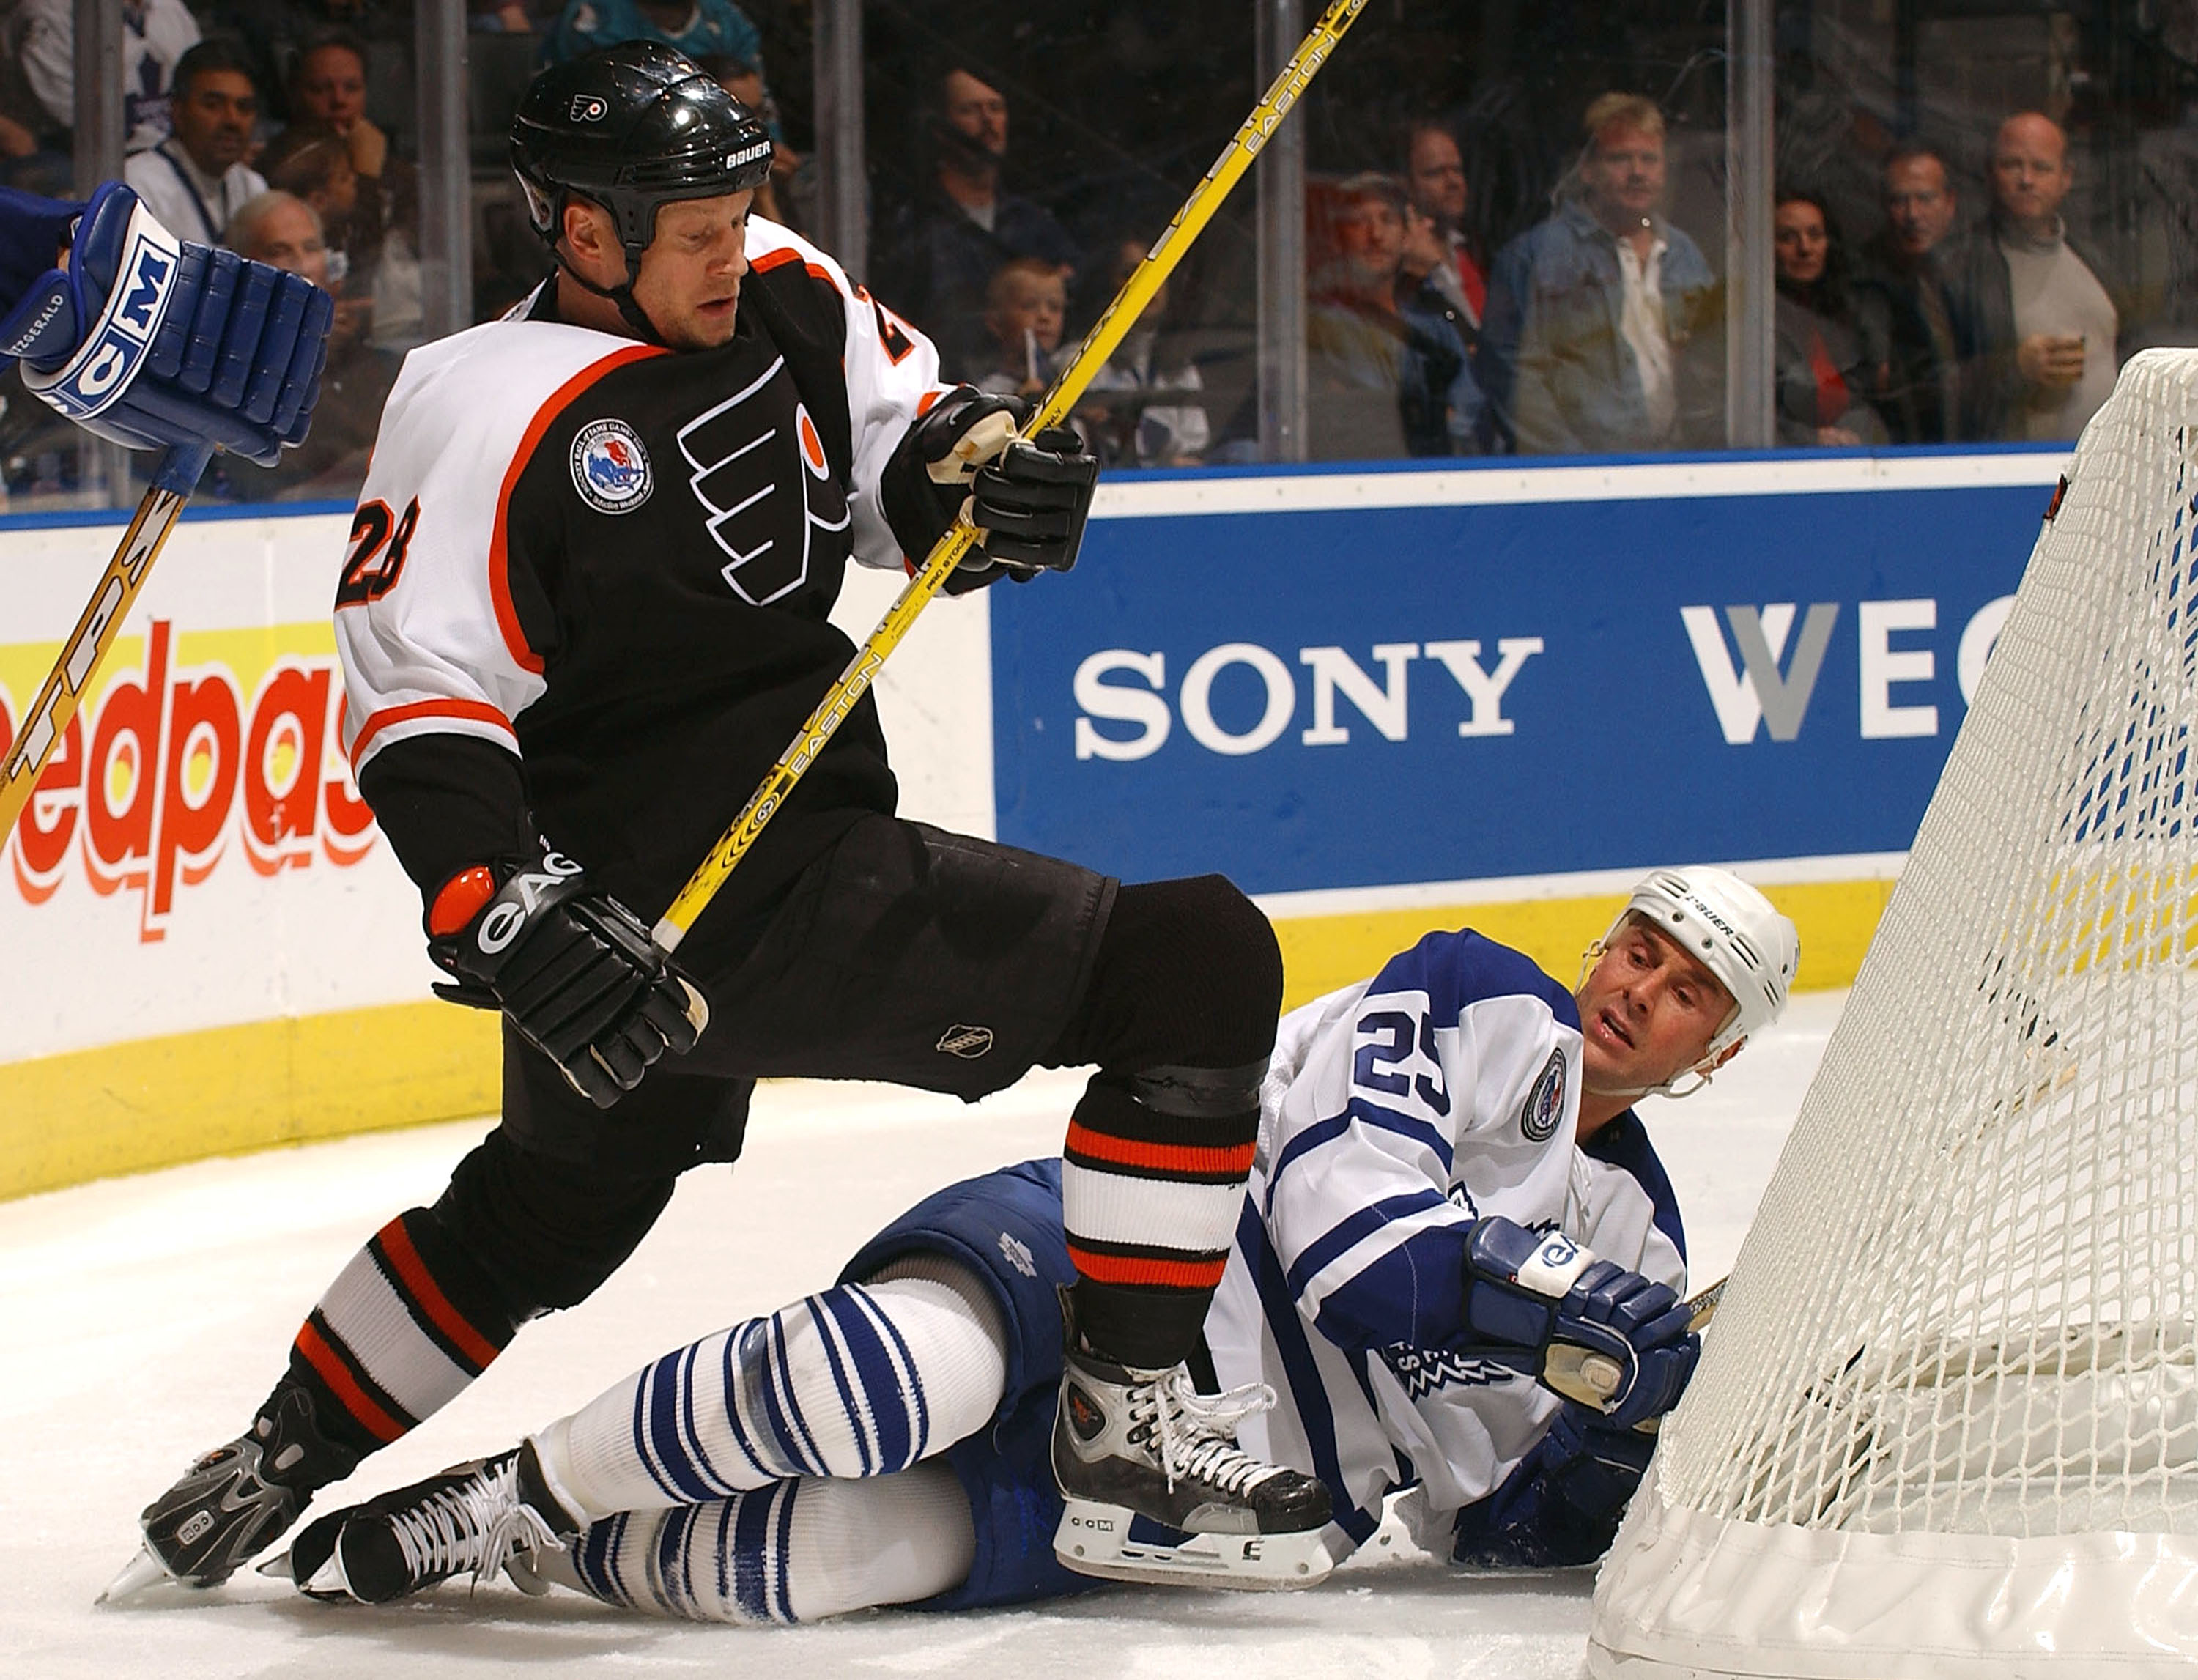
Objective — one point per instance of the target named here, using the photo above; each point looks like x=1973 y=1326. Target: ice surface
x=143 y=1319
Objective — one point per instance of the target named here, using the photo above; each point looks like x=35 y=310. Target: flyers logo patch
x=738 y=452
x=589 y=108
x=610 y=469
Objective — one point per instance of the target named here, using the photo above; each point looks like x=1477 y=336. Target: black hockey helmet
x=632 y=128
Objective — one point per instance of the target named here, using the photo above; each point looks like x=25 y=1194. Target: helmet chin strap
x=629 y=307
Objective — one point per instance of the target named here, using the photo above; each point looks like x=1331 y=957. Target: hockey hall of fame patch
x=1545 y=1103
x=610 y=469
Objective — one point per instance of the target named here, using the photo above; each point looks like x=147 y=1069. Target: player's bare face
x=691 y=276
x=1647 y=1012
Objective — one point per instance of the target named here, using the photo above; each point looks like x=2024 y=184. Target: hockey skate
x=479 y=1519
x=1156 y=1489
x=235 y=1500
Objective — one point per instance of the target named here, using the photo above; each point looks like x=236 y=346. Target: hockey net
x=1946 y=1422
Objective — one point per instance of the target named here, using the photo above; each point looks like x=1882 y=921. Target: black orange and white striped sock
x=405 y=1327
x=1151 y=1181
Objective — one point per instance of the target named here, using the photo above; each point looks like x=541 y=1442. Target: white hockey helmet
x=1733 y=930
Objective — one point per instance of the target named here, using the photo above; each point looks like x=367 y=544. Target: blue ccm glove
x=1561 y=1507
x=1585 y=1328
x=151 y=341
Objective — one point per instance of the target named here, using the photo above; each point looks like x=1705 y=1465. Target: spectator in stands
x=38 y=71
x=936 y=253
x=1905 y=302
x=698 y=28
x=1126 y=425
x=1819 y=368
x=743 y=79
x=379 y=237
x=2039 y=318
x=1435 y=179
x=1600 y=333
x=279 y=228
x=275 y=34
x=195 y=179
x=1424 y=265
x=1025 y=305
x=313 y=163
x=1383 y=383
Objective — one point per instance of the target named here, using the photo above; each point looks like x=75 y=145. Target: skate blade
x=277 y=1567
x=1115 y=1544
x=142 y=1572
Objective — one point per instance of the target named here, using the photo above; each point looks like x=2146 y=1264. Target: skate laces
x=475 y=1524
x=1196 y=1432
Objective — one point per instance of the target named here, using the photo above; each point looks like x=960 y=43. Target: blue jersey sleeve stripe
x=1458 y=969
x=1428 y=1135
x=1349 y=1232
x=1413 y=1296
x=1308 y=1393
x=1304 y=1143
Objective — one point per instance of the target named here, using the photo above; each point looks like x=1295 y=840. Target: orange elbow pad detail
x=461 y=900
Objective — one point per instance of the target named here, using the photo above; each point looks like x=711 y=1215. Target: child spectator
x=1820 y=366
x=1024 y=307
x=1128 y=426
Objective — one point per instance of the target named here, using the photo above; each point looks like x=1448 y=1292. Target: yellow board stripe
x=155 y=1102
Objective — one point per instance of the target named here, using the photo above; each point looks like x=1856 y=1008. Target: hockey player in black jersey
x=583 y=608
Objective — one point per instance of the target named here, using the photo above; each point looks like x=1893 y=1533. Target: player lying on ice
x=1452 y=1194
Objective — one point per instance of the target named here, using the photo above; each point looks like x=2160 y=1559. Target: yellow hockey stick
x=48 y=715
x=1104 y=339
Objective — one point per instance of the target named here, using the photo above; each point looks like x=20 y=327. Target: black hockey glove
x=1031 y=498
x=574 y=969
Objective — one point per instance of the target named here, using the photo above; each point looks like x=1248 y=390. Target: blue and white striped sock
x=792 y=1552
x=864 y=1380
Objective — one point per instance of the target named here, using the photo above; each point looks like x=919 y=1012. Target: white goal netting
x=1947 y=1421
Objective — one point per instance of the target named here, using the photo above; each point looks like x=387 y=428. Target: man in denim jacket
x=1601 y=332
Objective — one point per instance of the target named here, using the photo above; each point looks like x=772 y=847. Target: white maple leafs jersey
x=1396 y=1112
x=617 y=563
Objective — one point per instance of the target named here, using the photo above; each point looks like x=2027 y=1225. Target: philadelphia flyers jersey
x=616 y=561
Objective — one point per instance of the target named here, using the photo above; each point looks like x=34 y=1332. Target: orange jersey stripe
x=479 y=711
x=499 y=577
x=396 y=1243
x=356 y=1400
x=1186 y=1158
x=1171 y=1273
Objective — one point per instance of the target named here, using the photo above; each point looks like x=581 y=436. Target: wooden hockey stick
x=40 y=732
x=1099 y=344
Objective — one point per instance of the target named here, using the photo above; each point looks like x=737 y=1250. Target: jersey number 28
x=377 y=552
